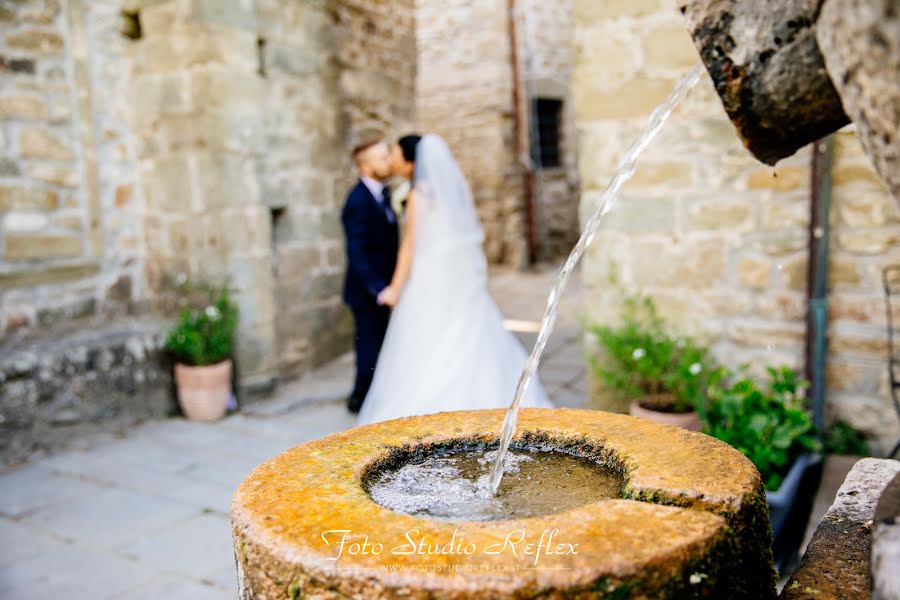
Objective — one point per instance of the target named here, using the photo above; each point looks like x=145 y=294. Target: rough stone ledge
x=836 y=563
x=55 y=388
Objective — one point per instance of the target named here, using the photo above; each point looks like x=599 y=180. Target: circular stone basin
x=689 y=520
x=451 y=483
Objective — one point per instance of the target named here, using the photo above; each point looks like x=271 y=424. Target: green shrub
x=842 y=438
x=203 y=335
x=770 y=425
x=640 y=358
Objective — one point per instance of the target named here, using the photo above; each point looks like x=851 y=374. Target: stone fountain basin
x=693 y=519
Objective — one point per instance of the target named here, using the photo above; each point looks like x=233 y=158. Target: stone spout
x=792 y=71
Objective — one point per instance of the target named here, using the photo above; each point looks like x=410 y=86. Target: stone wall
x=465 y=94
x=718 y=239
x=546 y=57
x=331 y=70
x=865 y=238
x=69 y=241
x=302 y=132
x=196 y=96
x=377 y=53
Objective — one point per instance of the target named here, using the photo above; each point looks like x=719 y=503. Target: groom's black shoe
x=354 y=404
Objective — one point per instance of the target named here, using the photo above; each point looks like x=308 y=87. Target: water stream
x=623 y=174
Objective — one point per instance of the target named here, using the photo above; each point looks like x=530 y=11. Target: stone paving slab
x=72 y=571
x=21 y=542
x=199 y=548
x=108 y=518
x=292 y=429
x=180 y=488
x=568 y=398
x=226 y=471
x=35 y=486
x=136 y=451
x=522 y=298
x=188 y=435
x=174 y=588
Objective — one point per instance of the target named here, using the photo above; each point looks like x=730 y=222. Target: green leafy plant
x=641 y=359
x=688 y=374
x=842 y=438
x=770 y=425
x=203 y=335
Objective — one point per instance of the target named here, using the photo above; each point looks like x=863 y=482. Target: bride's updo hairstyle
x=408 y=145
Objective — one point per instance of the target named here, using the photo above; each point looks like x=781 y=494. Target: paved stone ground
x=144 y=514
x=522 y=298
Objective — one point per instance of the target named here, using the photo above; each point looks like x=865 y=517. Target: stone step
x=57 y=388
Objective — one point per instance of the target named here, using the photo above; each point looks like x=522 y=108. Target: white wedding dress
x=446 y=347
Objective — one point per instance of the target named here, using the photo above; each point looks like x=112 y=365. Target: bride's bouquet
x=398 y=198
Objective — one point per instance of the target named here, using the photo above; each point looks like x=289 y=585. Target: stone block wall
x=196 y=95
x=865 y=238
x=334 y=71
x=465 y=94
x=69 y=239
x=302 y=134
x=718 y=239
x=377 y=55
x=546 y=65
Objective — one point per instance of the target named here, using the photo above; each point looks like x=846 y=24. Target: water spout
x=793 y=71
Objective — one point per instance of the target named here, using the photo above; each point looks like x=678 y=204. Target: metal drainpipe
x=817 y=277
x=527 y=175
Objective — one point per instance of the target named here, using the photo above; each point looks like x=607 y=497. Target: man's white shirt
x=377 y=189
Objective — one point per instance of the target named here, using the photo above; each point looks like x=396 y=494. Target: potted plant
x=201 y=344
x=663 y=375
x=771 y=426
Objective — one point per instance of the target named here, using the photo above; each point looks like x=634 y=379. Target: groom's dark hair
x=408 y=145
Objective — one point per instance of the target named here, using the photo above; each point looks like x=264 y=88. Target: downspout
x=525 y=165
x=817 y=277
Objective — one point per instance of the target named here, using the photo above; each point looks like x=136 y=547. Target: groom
x=372 y=242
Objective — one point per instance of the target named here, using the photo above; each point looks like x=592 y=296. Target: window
x=546 y=132
x=130 y=25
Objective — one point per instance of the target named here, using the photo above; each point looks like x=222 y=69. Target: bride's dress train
x=446 y=347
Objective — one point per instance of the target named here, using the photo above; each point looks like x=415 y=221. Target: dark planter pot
x=790 y=506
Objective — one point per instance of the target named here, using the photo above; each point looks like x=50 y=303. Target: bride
x=445 y=347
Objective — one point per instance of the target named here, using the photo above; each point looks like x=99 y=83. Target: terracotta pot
x=203 y=392
x=688 y=420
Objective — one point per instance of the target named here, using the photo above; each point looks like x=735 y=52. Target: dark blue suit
x=372 y=244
